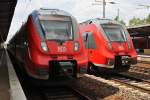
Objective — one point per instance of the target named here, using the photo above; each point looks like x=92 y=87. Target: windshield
x=57 y=30
x=114 y=32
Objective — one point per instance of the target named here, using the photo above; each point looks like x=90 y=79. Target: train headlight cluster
x=44 y=46
x=76 y=46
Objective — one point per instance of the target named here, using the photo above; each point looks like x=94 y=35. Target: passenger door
x=90 y=44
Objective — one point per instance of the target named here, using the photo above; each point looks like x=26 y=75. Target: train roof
x=44 y=11
x=100 y=21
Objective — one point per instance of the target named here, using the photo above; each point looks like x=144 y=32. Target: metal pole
x=118 y=14
x=104 y=4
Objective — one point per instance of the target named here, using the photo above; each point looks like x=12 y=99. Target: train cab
x=108 y=44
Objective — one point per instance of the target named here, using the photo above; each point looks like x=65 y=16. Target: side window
x=90 y=42
x=84 y=39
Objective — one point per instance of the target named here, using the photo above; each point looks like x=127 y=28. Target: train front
x=55 y=47
x=119 y=47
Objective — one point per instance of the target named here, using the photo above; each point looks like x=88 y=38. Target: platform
x=144 y=58
x=4 y=78
x=10 y=88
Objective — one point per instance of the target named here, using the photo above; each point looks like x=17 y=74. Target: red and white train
x=108 y=44
x=49 y=45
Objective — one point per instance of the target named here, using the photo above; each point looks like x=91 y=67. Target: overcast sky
x=81 y=9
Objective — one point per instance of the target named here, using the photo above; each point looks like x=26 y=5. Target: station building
x=141 y=38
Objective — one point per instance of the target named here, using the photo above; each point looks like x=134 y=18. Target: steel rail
x=132 y=82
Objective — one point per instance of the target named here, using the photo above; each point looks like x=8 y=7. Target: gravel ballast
x=98 y=88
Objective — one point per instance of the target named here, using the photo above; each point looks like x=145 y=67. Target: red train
x=108 y=44
x=49 y=45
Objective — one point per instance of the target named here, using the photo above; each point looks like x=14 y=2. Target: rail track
x=128 y=80
x=143 y=70
x=144 y=62
x=133 y=82
x=62 y=93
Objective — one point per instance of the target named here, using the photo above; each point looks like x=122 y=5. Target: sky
x=81 y=9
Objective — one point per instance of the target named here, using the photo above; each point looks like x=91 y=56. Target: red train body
x=108 y=44
x=49 y=45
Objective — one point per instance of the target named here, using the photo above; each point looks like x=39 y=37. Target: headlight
x=44 y=46
x=76 y=46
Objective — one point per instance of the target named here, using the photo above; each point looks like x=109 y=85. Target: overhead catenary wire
x=103 y=3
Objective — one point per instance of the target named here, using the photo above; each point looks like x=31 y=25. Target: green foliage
x=119 y=20
x=122 y=22
x=148 y=19
x=138 y=21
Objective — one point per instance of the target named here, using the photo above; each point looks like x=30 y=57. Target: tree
x=148 y=19
x=138 y=21
x=116 y=18
x=119 y=20
x=135 y=21
x=122 y=22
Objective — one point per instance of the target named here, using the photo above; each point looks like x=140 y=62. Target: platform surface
x=144 y=58
x=4 y=78
x=10 y=87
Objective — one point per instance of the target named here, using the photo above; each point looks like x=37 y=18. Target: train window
x=84 y=36
x=57 y=30
x=90 y=41
x=114 y=32
x=38 y=27
x=75 y=28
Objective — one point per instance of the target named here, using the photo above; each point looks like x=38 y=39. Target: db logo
x=61 y=49
x=120 y=48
